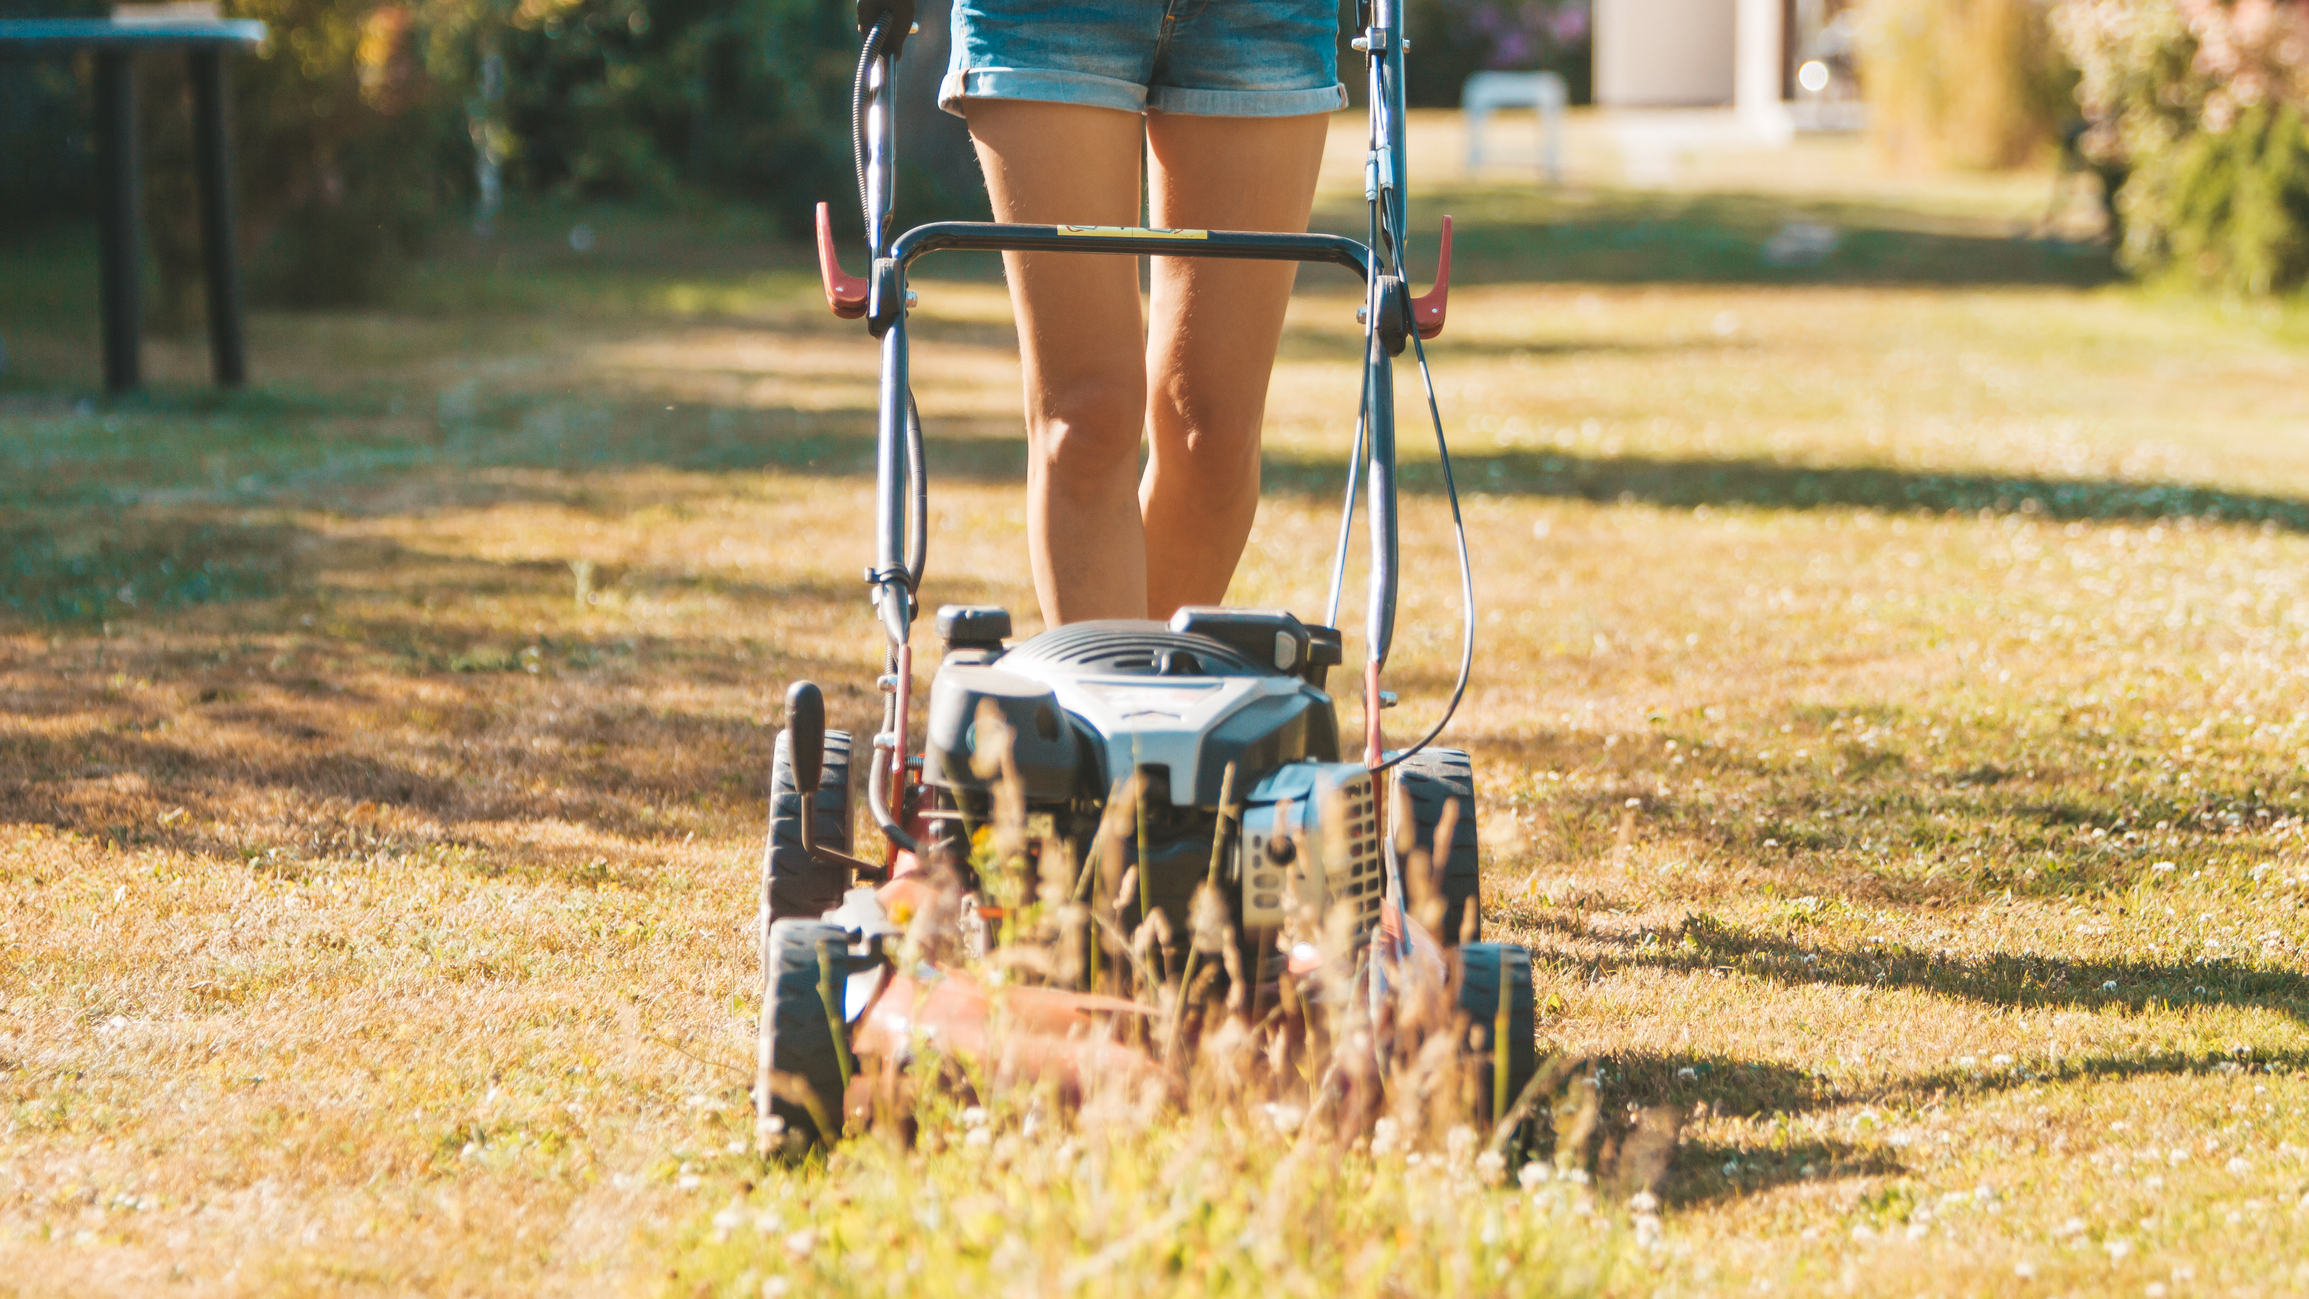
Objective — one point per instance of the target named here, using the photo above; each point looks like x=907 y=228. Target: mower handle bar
x=1390 y=313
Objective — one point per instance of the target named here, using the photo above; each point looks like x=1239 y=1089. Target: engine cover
x=1310 y=842
x=1176 y=705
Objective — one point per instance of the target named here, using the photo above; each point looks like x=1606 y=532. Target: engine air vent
x=1130 y=647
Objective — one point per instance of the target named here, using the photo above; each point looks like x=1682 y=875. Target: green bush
x=746 y=98
x=356 y=126
x=2204 y=103
x=348 y=150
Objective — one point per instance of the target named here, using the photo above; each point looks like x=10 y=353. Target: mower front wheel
x=1495 y=994
x=799 y=1073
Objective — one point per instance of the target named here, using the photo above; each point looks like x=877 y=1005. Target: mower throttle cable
x=1458 y=522
x=1466 y=571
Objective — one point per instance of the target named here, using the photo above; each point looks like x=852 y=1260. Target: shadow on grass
x=380 y=681
x=1504 y=235
x=2015 y=980
x=1635 y=1086
x=1764 y=484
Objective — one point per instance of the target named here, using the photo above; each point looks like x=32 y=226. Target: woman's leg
x=1082 y=343
x=1212 y=335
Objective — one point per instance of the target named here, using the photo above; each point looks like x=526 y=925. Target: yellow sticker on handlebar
x=1134 y=232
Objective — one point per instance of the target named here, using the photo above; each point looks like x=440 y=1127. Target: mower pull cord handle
x=1426 y=310
x=846 y=293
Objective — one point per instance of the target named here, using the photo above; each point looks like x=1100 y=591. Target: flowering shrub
x=1452 y=39
x=2205 y=100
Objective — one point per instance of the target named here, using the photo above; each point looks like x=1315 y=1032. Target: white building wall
x=1663 y=53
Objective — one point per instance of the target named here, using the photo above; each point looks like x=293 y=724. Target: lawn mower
x=1174 y=808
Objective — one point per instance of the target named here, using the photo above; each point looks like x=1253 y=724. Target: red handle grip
x=846 y=293
x=1426 y=310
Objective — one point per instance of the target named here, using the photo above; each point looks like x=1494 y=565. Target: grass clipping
x=1222 y=1136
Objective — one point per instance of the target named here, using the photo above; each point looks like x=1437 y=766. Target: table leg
x=118 y=239
x=212 y=160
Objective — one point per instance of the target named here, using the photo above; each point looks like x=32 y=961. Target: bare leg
x=1082 y=343
x=1214 y=328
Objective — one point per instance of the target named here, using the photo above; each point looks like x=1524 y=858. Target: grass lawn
x=1891 y=725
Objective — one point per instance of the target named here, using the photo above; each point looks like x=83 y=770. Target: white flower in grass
x=1647 y=1231
x=1918 y=1231
x=1491 y=1167
x=767 y=1222
x=688 y=1182
x=1386 y=1138
x=727 y=1220
x=1535 y=1172
x=2156 y=1290
x=1644 y=1202
x=1863 y=1233
x=2240 y=1166
x=774 y=1287
x=978 y=1138
x=2025 y=1270
x=2118 y=1248
x=974 y=1117
x=2110 y=986
x=2001 y=1061
x=803 y=1243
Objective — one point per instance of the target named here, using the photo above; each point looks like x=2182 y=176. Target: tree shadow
x=336 y=715
x=1634 y=1089
x=1608 y=236
x=2014 y=980
x=1765 y=484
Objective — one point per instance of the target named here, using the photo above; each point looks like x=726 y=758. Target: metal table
x=115 y=45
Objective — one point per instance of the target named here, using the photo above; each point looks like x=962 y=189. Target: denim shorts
x=1216 y=58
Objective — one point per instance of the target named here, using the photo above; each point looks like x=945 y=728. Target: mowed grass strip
x=1890 y=726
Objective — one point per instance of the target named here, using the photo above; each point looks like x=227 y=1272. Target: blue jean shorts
x=1216 y=58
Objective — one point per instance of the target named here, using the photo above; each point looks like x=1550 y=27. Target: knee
x=1089 y=430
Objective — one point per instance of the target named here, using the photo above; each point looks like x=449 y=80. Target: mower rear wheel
x=794 y=883
x=1490 y=973
x=1433 y=778
x=799 y=1073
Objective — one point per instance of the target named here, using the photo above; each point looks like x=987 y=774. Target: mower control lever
x=846 y=293
x=1426 y=310
x=806 y=751
x=806 y=741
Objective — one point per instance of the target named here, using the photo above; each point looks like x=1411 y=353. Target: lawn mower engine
x=1212 y=742
x=1222 y=719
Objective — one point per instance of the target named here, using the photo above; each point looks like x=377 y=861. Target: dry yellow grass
x=1854 y=661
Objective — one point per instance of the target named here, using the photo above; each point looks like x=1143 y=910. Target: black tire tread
x=1434 y=777
x=795 y=884
x=796 y=1037
x=1484 y=969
